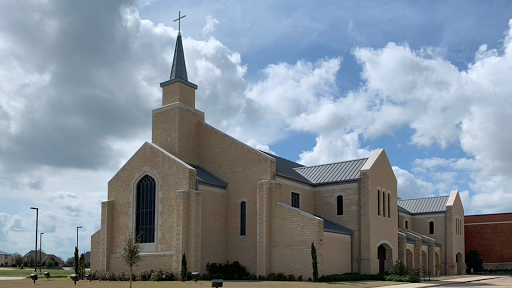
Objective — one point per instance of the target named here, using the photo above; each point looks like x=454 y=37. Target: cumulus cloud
x=210 y=25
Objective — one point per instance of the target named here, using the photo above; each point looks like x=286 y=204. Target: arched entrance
x=459 y=263
x=408 y=259
x=385 y=256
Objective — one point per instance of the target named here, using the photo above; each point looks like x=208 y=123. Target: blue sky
x=313 y=82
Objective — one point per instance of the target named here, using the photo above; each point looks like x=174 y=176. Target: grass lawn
x=239 y=284
x=27 y=271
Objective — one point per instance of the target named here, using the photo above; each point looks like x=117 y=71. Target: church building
x=195 y=190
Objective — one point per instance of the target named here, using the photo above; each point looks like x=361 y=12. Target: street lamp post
x=40 y=251
x=37 y=221
x=79 y=227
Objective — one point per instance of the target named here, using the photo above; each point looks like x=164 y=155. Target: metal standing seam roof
x=286 y=167
x=333 y=227
x=4 y=253
x=424 y=205
x=320 y=174
x=333 y=172
x=204 y=176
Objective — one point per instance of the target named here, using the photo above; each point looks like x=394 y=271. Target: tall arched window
x=339 y=205
x=145 y=226
x=383 y=203
x=378 y=201
x=389 y=206
x=243 y=218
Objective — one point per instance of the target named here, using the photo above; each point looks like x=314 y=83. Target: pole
x=40 y=251
x=37 y=221
x=77 y=237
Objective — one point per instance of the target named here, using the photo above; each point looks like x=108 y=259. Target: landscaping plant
x=131 y=256
x=315 y=262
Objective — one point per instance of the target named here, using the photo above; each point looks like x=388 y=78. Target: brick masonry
x=491 y=236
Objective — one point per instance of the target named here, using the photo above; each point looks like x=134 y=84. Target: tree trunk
x=131 y=273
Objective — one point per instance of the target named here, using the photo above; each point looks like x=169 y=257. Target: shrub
x=300 y=278
x=183 y=268
x=315 y=262
x=227 y=271
x=262 y=278
x=291 y=277
x=145 y=275
x=280 y=277
x=272 y=277
x=349 y=277
x=253 y=277
x=399 y=269
x=407 y=278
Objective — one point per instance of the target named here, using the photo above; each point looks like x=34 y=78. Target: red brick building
x=491 y=236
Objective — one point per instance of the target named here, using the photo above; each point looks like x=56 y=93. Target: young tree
x=82 y=266
x=474 y=261
x=184 y=268
x=315 y=262
x=70 y=261
x=76 y=262
x=131 y=256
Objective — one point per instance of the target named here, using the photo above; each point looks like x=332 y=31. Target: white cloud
x=210 y=25
x=410 y=187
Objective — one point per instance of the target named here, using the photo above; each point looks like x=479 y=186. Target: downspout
x=445 y=243
x=359 y=216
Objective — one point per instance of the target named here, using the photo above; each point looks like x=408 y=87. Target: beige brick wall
x=175 y=130
x=242 y=167
x=292 y=233
x=95 y=250
x=148 y=262
x=179 y=92
x=213 y=226
x=380 y=229
x=171 y=176
x=336 y=254
x=454 y=210
x=307 y=196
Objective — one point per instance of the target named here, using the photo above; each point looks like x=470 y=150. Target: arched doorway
x=385 y=256
x=408 y=259
x=459 y=263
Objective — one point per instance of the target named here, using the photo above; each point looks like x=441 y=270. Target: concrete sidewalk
x=443 y=282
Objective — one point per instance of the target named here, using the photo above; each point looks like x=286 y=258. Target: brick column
x=106 y=234
x=264 y=201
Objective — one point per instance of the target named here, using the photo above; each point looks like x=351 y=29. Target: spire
x=179 y=69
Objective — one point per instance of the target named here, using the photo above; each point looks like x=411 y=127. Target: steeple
x=179 y=69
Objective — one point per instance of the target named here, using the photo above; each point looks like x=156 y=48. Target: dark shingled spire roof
x=179 y=68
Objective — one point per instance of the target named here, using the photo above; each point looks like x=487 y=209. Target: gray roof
x=334 y=172
x=424 y=205
x=286 y=169
x=320 y=174
x=179 y=68
x=206 y=177
x=402 y=209
x=4 y=253
x=332 y=227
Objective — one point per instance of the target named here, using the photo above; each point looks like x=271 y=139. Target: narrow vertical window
x=243 y=218
x=431 y=227
x=295 y=200
x=145 y=213
x=378 y=201
x=406 y=224
x=339 y=205
x=383 y=204
x=389 y=206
